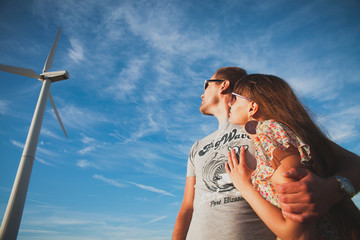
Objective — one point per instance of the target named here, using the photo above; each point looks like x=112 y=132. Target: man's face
x=210 y=97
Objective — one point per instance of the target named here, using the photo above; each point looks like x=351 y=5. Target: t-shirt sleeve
x=190 y=164
x=274 y=135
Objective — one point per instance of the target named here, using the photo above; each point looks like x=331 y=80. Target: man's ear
x=225 y=86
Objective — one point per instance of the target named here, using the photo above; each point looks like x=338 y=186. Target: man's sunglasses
x=235 y=95
x=206 y=82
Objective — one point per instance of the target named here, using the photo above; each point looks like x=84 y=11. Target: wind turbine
x=12 y=218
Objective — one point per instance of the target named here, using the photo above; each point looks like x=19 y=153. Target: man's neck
x=222 y=112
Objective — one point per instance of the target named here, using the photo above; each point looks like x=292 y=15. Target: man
x=213 y=209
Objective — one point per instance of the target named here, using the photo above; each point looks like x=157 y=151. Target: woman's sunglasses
x=235 y=95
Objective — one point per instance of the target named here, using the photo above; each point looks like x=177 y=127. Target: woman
x=284 y=136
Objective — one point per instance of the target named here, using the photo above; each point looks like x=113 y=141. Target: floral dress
x=271 y=135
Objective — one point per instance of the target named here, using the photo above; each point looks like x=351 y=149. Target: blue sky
x=131 y=104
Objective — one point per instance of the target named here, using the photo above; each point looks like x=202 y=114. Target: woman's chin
x=232 y=121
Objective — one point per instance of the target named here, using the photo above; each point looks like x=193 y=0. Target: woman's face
x=239 y=109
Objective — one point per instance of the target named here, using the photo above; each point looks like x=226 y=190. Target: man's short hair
x=232 y=74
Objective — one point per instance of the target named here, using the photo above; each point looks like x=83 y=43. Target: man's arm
x=349 y=165
x=313 y=196
x=183 y=219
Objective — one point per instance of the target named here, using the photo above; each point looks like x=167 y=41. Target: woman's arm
x=240 y=174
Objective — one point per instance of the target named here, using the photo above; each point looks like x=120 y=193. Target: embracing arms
x=312 y=196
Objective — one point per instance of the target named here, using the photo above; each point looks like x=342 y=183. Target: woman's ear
x=253 y=109
x=225 y=86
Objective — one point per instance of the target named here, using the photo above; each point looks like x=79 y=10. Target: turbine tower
x=12 y=218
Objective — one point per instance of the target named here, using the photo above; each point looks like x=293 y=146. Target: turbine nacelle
x=55 y=76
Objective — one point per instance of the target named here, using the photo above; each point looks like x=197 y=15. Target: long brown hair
x=277 y=101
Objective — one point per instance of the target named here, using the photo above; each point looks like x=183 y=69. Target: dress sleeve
x=275 y=135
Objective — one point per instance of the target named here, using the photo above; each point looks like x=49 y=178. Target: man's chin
x=204 y=111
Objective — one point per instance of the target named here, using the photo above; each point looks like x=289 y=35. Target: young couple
x=283 y=167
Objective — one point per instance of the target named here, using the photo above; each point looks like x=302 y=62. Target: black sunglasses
x=206 y=82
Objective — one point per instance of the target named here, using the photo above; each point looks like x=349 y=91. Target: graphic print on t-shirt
x=214 y=174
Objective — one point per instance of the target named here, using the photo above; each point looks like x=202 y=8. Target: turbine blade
x=50 y=57
x=57 y=113
x=20 y=71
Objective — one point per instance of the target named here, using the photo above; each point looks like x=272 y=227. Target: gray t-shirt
x=220 y=212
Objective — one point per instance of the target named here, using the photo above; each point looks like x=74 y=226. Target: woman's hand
x=238 y=171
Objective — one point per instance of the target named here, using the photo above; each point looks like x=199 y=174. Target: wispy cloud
x=39 y=149
x=17 y=144
x=87 y=140
x=163 y=32
x=47 y=132
x=58 y=223
x=68 y=221
x=86 y=150
x=108 y=181
x=126 y=82
x=44 y=162
x=152 y=189
x=47 y=152
x=76 y=53
x=82 y=163
x=32 y=231
x=81 y=118
x=4 y=107
x=342 y=124
x=146 y=127
x=157 y=219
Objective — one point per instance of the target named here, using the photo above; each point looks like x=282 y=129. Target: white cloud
x=76 y=53
x=86 y=164
x=86 y=150
x=17 y=144
x=4 y=107
x=68 y=221
x=163 y=32
x=42 y=150
x=59 y=223
x=47 y=132
x=87 y=140
x=157 y=219
x=44 y=162
x=32 y=231
x=83 y=163
x=342 y=124
x=108 y=181
x=152 y=189
x=146 y=128
x=38 y=149
x=126 y=82
x=81 y=118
